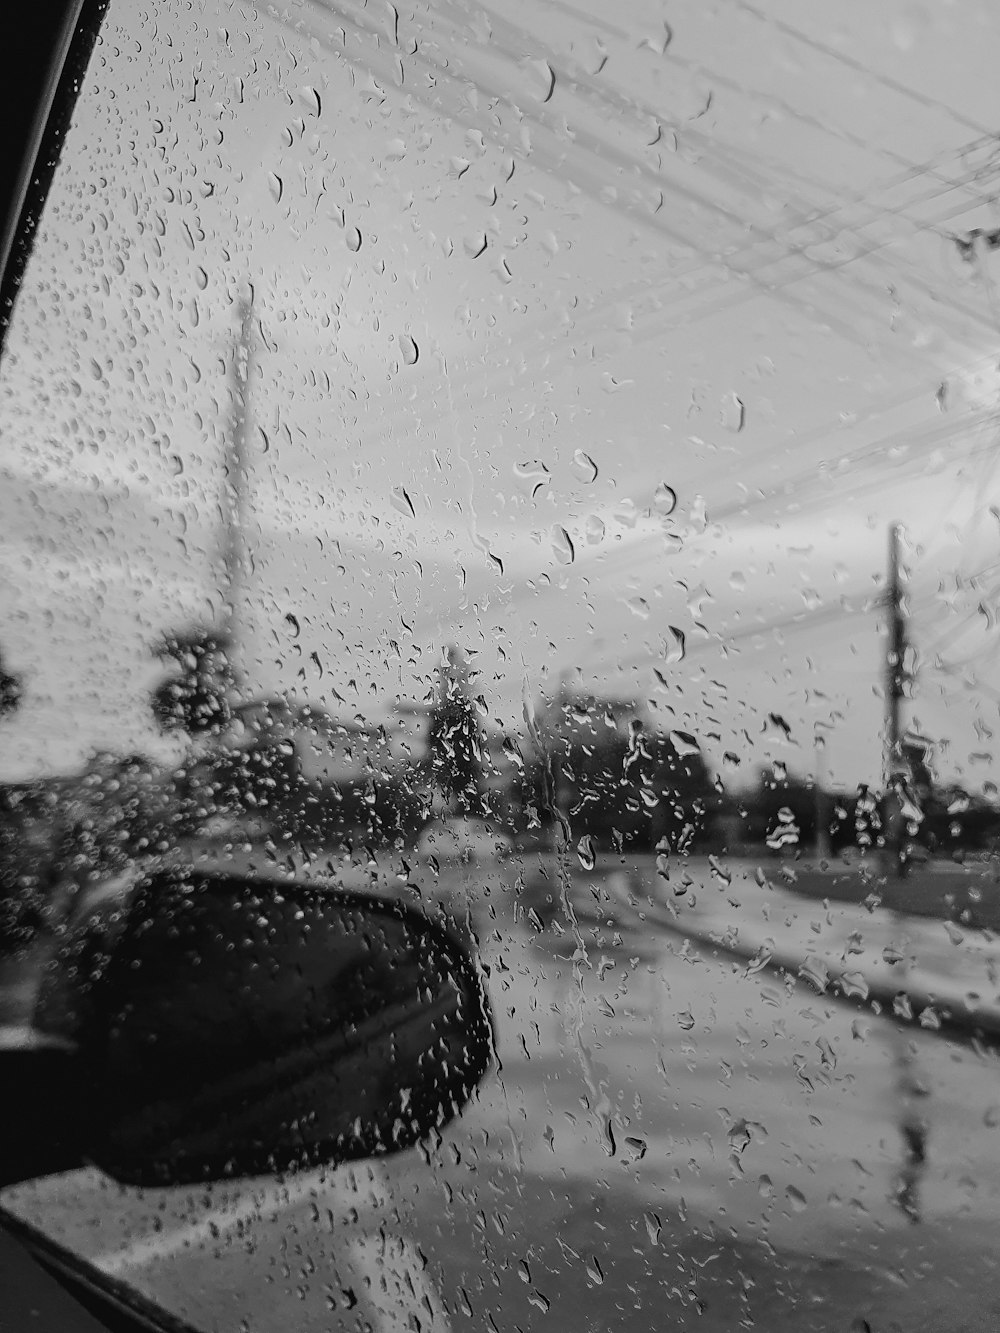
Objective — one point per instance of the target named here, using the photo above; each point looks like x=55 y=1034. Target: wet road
x=672 y=1140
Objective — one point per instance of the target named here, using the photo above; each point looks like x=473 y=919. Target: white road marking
x=384 y=1270
x=211 y=1226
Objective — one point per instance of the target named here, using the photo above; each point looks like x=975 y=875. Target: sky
x=604 y=344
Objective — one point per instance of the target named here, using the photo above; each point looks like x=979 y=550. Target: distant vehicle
x=462 y=840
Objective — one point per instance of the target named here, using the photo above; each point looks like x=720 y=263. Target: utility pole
x=822 y=813
x=895 y=676
x=909 y=1089
x=562 y=735
x=235 y=484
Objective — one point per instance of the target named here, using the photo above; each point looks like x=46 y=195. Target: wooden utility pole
x=821 y=811
x=562 y=737
x=235 y=485
x=895 y=676
x=909 y=1089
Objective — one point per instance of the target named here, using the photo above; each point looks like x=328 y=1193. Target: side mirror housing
x=238 y=1027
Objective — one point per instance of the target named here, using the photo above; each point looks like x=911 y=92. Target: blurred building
x=575 y=713
x=322 y=749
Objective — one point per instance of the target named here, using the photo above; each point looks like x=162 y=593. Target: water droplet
x=674 y=645
x=584 y=466
x=310 y=99
x=786 y=832
x=796 y=1199
x=201 y=278
x=586 y=853
x=541 y=78
x=734 y=413
x=475 y=244
x=275 y=185
x=512 y=752
x=353 y=238
x=665 y=499
x=685 y=1020
x=533 y=476
x=653 y=1227
x=853 y=984
x=663 y=859
x=684 y=744
x=719 y=871
x=562 y=545
x=660 y=38
x=594 y=1271
x=594 y=530
x=402 y=502
x=409 y=350
x=739 y=1136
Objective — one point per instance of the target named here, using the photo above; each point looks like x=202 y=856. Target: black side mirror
x=240 y=1027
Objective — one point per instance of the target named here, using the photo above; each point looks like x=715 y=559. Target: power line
x=494 y=378
x=694 y=196
x=866 y=456
x=791 y=622
x=922 y=99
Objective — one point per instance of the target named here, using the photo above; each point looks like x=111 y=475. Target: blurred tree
x=18 y=907
x=196 y=698
x=621 y=784
x=686 y=796
x=10 y=690
x=456 y=739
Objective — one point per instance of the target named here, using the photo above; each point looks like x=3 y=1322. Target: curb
x=925 y=1001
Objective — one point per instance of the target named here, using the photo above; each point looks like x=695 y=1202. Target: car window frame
x=49 y=43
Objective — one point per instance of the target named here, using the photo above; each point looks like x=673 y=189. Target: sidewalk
x=935 y=973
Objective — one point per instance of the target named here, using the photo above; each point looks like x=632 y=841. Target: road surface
x=673 y=1139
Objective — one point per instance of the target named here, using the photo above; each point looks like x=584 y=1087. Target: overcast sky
x=580 y=332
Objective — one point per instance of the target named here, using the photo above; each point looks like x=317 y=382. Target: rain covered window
x=535 y=463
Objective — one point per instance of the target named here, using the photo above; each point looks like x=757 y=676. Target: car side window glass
x=535 y=465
